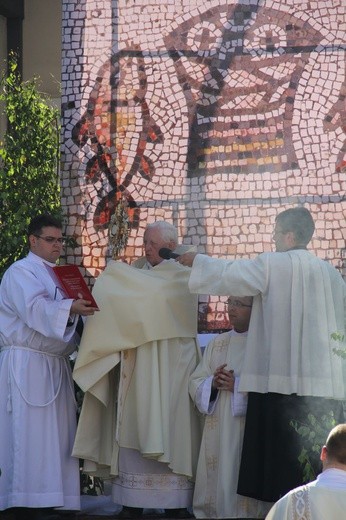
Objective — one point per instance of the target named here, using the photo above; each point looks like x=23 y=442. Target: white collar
x=35 y=258
x=332 y=478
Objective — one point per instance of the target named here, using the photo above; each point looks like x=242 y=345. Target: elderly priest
x=134 y=364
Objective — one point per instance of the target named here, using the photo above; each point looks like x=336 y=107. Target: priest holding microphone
x=138 y=422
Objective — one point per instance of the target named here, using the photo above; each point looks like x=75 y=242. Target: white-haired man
x=149 y=321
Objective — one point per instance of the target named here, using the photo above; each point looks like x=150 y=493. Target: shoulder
x=19 y=265
x=139 y=263
x=295 y=504
x=326 y=268
x=17 y=273
x=333 y=271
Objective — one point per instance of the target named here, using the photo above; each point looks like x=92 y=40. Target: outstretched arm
x=186 y=259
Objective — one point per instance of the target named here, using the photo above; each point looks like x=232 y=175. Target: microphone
x=167 y=253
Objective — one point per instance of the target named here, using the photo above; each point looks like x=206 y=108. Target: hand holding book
x=72 y=283
x=82 y=307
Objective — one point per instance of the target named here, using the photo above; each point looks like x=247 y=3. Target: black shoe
x=178 y=513
x=130 y=512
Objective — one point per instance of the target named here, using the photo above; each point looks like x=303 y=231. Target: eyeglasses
x=237 y=303
x=52 y=240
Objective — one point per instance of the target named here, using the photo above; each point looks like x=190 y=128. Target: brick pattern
x=213 y=115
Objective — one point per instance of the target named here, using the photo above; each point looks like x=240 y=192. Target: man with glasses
x=37 y=405
x=214 y=389
x=289 y=368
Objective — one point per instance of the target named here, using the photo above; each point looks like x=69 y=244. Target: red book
x=73 y=284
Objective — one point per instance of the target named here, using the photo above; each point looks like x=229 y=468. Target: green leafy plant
x=29 y=161
x=314 y=432
x=340 y=338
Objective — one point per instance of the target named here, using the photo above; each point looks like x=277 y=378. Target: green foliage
x=339 y=338
x=313 y=435
x=29 y=161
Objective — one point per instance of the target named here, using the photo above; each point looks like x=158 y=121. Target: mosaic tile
x=190 y=106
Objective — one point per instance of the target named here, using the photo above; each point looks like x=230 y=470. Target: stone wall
x=213 y=115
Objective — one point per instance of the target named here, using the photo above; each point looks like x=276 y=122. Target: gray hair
x=167 y=230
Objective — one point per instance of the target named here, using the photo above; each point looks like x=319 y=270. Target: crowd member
x=37 y=405
x=325 y=497
x=147 y=328
x=289 y=368
x=214 y=389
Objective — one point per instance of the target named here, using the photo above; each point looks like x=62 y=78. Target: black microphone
x=167 y=253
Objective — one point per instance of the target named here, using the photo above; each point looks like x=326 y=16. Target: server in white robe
x=290 y=368
x=37 y=405
x=325 y=497
x=214 y=389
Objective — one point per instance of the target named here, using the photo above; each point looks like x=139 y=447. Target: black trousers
x=271 y=447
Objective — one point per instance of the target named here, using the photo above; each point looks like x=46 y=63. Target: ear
x=324 y=454
x=32 y=240
x=291 y=239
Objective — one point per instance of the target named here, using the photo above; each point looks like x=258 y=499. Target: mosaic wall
x=213 y=115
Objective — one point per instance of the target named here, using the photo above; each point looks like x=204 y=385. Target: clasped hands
x=223 y=379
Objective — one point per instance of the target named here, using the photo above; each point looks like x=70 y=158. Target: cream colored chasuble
x=143 y=402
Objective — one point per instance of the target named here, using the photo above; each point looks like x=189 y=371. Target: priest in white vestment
x=138 y=422
x=214 y=388
x=37 y=404
x=325 y=497
x=289 y=364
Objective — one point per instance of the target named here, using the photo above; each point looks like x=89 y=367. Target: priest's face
x=47 y=243
x=284 y=240
x=239 y=312
x=153 y=242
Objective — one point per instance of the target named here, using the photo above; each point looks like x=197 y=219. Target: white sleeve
x=238 y=400
x=202 y=398
x=217 y=276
